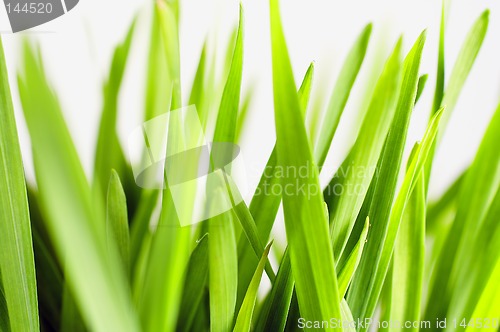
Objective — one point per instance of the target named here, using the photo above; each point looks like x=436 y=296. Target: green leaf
x=244 y=319
x=274 y=313
x=243 y=114
x=422 y=80
x=421 y=152
x=109 y=153
x=304 y=213
x=194 y=284
x=76 y=226
x=16 y=248
x=366 y=150
x=197 y=95
x=117 y=220
x=409 y=255
x=4 y=314
x=340 y=94
x=477 y=191
x=382 y=189
x=346 y=274
x=347 y=317
x=223 y=271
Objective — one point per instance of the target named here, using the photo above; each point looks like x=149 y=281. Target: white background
x=77 y=50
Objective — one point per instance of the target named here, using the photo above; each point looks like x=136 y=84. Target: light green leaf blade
x=340 y=94
x=304 y=214
x=244 y=319
x=422 y=81
x=477 y=191
x=346 y=274
x=367 y=149
x=382 y=189
x=194 y=284
x=16 y=247
x=408 y=260
x=75 y=225
x=117 y=220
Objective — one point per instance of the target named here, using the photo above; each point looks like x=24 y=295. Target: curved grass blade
x=422 y=81
x=109 y=153
x=244 y=319
x=340 y=94
x=274 y=313
x=346 y=274
x=477 y=191
x=408 y=261
x=367 y=149
x=194 y=284
x=117 y=220
x=383 y=188
x=74 y=223
x=421 y=152
x=304 y=214
x=16 y=247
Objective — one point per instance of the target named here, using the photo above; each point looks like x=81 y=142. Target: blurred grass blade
x=367 y=149
x=382 y=190
x=16 y=247
x=477 y=191
x=347 y=317
x=197 y=96
x=194 y=284
x=340 y=94
x=347 y=272
x=117 y=220
x=305 y=220
x=408 y=260
x=75 y=225
x=244 y=319
x=109 y=153
x=243 y=113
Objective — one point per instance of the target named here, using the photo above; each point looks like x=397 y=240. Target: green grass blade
x=265 y=203
x=75 y=225
x=274 y=313
x=477 y=191
x=463 y=65
x=197 y=95
x=408 y=260
x=383 y=187
x=347 y=317
x=244 y=319
x=340 y=94
x=16 y=247
x=346 y=274
x=421 y=153
x=194 y=284
x=304 y=214
x=223 y=271
x=243 y=113
x=422 y=81
x=4 y=314
x=367 y=150
x=109 y=153
x=440 y=71
x=117 y=220
x=225 y=128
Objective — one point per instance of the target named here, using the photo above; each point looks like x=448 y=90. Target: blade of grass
x=16 y=247
x=194 y=284
x=75 y=225
x=477 y=191
x=4 y=314
x=265 y=203
x=244 y=319
x=367 y=150
x=383 y=188
x=421 y=152
x=408 y=260
x=340 y=94
x=315 y=287
x=422 y=81
x=109 y=154
x=117 y=220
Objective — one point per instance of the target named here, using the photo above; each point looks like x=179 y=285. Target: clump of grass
x=81 y=254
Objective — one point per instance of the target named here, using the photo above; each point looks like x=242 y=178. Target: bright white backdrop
x=77 y=49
